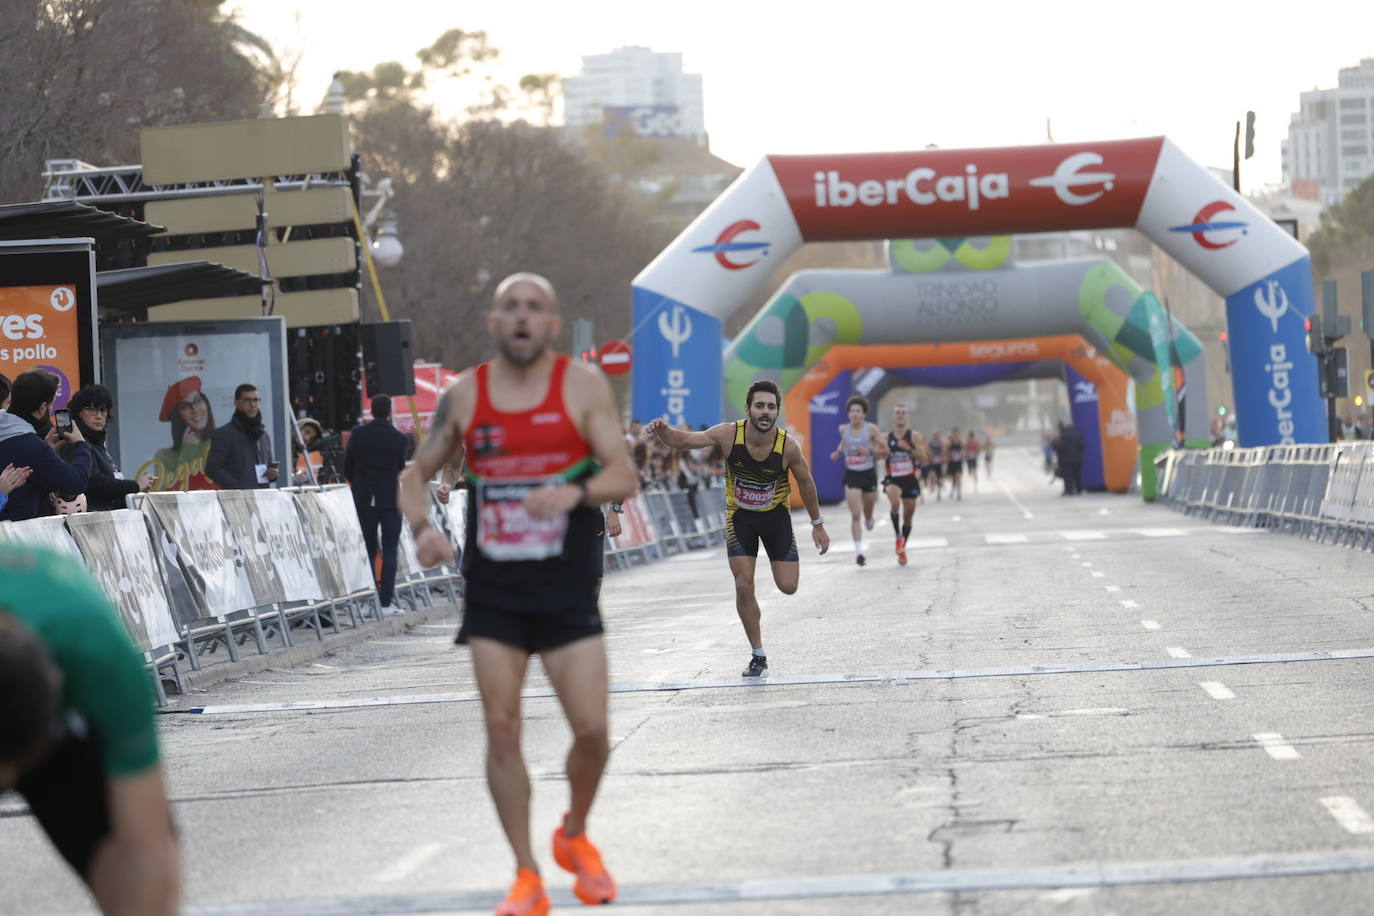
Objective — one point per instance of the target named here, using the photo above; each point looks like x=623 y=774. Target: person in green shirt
x=77 y=739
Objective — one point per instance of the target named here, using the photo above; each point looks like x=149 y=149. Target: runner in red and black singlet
x=906 y=453
x=533 y=426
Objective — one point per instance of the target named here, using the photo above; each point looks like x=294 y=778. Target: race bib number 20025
x=505 y=531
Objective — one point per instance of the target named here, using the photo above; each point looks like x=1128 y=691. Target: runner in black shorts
x=861 y=444
x=971 y=450
x=937 y=464
x=954 y=463
x=532 y=425
x=77 y=738
x=906 y=452
x=758 y=492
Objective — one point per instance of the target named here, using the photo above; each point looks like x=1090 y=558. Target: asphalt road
x=1061 y=706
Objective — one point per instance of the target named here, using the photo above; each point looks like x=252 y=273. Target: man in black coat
x=1068 y=450
x=28 y=439
x=241 y=450
x=373 y=462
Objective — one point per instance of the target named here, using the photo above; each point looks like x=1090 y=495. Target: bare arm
x=442 y=446
x=795 y=462
x=137 y=871
x=600 y=425
x=878 y=441
x=721 y=434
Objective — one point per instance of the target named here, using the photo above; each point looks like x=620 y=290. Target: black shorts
x=910 y=486
x=956 y=466
x=972 y=462
x=68 y=796
x=867 y=481
x=744 y=530
x=531 y=632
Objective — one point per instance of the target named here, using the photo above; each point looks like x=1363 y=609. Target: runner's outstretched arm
x=721 y=434
x=806 y=488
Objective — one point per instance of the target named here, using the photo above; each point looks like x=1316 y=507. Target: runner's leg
x=854 y=499
x=786 y=575
x=746 y=604
x=500 y=671
x=577 y=672
x=894 y=501
x=870 y=501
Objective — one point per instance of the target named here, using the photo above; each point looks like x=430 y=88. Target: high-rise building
x=639 y=88
x=1330 y=147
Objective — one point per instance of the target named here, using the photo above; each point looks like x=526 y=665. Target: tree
x=1347 y=231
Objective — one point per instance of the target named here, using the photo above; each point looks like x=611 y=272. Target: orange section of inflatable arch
x=1119 y=446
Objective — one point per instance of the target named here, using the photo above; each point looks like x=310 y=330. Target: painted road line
x=1098 y=575
x=1025 y=513
x=879 y=679
x=1349 y=814
x=1161 y=532
x=1178 y=652
x=956 y=518
x=926 y=543
x=409 y=863
x=1276 y=747
x=1084 y=535
x=1217 y=690
x=1150 y=624
x=1087 y=563
x=1112 y=588
x=819 y=887
x=1005 y=538
x=1129 y=604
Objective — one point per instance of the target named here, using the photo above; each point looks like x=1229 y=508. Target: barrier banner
x=48 y=531
x=116 y=547
x=268 y=529
x=205 y=551
x=636 y=528
x=321 y=543
x=343 y=537
x=455 y=516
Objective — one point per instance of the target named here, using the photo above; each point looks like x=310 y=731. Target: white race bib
x=857 y=461
x=754 y=495
x=505 y=531
x=899 y=464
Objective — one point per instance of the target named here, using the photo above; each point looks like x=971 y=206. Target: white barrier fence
x=1318 y=491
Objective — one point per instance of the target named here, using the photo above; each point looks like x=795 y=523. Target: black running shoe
x=758 y=667
x=859 y=558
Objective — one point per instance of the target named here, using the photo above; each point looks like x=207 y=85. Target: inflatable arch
x=723 y=258
x=951 y=290
x=1117 y=432
x=828 y=406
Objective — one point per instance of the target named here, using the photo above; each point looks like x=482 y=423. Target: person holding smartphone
x=28 y=438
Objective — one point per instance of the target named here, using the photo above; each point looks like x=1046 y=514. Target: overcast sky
x=864 y=75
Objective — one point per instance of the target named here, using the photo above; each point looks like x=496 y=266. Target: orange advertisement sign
x=40 y=329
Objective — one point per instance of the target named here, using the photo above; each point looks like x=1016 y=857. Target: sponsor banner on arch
x=1267 y=322
x=991 y=191
x=677 y=371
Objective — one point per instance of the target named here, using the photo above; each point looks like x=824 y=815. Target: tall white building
x=645 y=89
x=1330 y=147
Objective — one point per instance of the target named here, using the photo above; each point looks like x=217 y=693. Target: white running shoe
x=868 y=524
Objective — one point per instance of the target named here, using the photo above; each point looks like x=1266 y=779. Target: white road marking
x=1162 y=532
x=409 y=863
x=880 y=679
x=1150 y=624
x=1178 y=652
x=1349 y=814
x=1112 y=588
x=1082 y=535
x=813 y=886
x=956 y=518
x=1005 y=538
x=1217 y=690
x=1128 y=604
x=1094 y=711
x=698 y=555
x=1087 y=563
x=1276 y=747
x=926 y=543
x=1098 y=575
x=1104 y=512
x=1026 y=513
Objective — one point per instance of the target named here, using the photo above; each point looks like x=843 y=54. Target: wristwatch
x=617 y=508
x=817 y=522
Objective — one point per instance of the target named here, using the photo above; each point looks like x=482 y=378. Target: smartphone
x=62 y=419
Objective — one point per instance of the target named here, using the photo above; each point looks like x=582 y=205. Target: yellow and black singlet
x=754 y=485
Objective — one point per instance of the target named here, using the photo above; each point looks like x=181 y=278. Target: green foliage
x=1347 y=230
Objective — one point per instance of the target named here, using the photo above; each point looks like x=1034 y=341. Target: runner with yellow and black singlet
x=906 y=452
x=758 y=458
x=77 y=738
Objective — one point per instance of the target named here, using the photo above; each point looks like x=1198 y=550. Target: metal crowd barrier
x=1322 y=492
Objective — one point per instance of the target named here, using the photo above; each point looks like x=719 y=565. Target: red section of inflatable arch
x=1118 y=452
x=968 y=192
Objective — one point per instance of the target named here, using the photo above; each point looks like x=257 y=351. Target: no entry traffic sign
x=615 y=358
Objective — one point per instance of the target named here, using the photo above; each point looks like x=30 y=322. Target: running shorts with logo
x=757 y=496
x=106 y=730
x=529 y=583
x=866 y=481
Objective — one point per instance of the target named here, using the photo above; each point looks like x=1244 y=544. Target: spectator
x=1350 y=428
x=107 y=489
x=1068 y=451
x=241 y=450
x=11 y=478
x=309 y=454
x=28 y=440
x=373 y=462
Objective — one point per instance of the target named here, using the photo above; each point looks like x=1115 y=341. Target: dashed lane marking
x=1349 y=814
x=1150 y=624
x=1081 y=535
x=1178 y=652
x=1005 y=538
x=1217 y=690
x=1276 y=747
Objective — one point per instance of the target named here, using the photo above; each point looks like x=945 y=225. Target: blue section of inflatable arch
x=827 y=413
x=1083 y=407
x=966 y=376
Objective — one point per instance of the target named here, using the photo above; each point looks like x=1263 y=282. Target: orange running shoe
x=576 y=854
x=526 y=897
x=901 y=545
x=901 y=558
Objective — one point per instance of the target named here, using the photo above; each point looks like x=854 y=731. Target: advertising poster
x=173 y=385
x=47 y=312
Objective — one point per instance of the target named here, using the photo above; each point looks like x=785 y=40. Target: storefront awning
x=67 y=219
x=135 y=289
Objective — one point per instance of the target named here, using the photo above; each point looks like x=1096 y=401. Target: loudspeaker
x=387 y=358
x=325 y=372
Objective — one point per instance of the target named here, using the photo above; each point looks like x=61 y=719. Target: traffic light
x=1315 y=342
x=1249 y=134
x=1339 y=381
